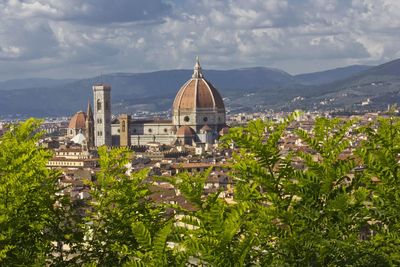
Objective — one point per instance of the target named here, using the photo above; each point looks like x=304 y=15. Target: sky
x=84 y=38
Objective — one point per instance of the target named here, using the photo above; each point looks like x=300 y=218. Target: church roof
x=77 y=121
x=198 y=93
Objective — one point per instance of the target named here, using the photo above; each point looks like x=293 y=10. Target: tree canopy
x=334 y=202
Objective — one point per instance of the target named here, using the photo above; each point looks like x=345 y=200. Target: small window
x=98 y=104
x=165 y=130
x=186 y=118
x=150 y=130
x=205 y=119
x=134 y=130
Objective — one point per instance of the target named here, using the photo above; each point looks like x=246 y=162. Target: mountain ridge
x=255 y=88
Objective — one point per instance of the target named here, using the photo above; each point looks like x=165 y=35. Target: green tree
x=318 y=206
x=380 y=154
x=309 y=216
x=29 y=206
x=212 y=232
x=120 y=208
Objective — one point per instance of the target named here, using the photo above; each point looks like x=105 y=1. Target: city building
x=73 y=158
x=82 y=124
x=198 y=116
x=102 y=115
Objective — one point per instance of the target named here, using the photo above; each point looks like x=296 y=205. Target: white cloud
x=84 y=37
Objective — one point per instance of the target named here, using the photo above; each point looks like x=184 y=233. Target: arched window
x=98 y=104
x=123 y=126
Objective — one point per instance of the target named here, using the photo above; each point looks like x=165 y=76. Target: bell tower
x=124 y=134
x=102 y=114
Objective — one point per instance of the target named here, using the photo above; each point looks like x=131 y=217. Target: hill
x=149 y=91
x=328 y=76
x=258 y=88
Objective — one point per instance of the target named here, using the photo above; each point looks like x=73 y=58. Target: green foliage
x=380 y=153
x=339 y=208
x=310 y=216
x=29 y=207
x=122 y=215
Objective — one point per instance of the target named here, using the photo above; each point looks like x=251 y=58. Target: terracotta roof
x=141 y=121
x=78 y=121
x=70 y=149
x=185 y=131
x=198 y=93
x=72 y=160
x=197 y=165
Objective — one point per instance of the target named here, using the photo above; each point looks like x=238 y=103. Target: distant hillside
x=371 y=89
x=32 y=83
x=242 y=89
x=328 y=76
x=380 y=85
x=148 y=91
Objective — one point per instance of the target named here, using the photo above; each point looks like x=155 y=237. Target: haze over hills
x=328 y=76
x=243 y=89
x=32 y=82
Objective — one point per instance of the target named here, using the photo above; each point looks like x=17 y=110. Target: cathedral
x=198 y=117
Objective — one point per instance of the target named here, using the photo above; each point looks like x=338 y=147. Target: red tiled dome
x=185 y=131
x=198 y=93
x=78 y=121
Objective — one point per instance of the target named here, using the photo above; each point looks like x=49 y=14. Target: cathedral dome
x=77 y=121
x=198 y=94
x=185 y=131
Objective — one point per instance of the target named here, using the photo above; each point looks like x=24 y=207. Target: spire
x=197 y=69
x=89 y=125
x=89 y=112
